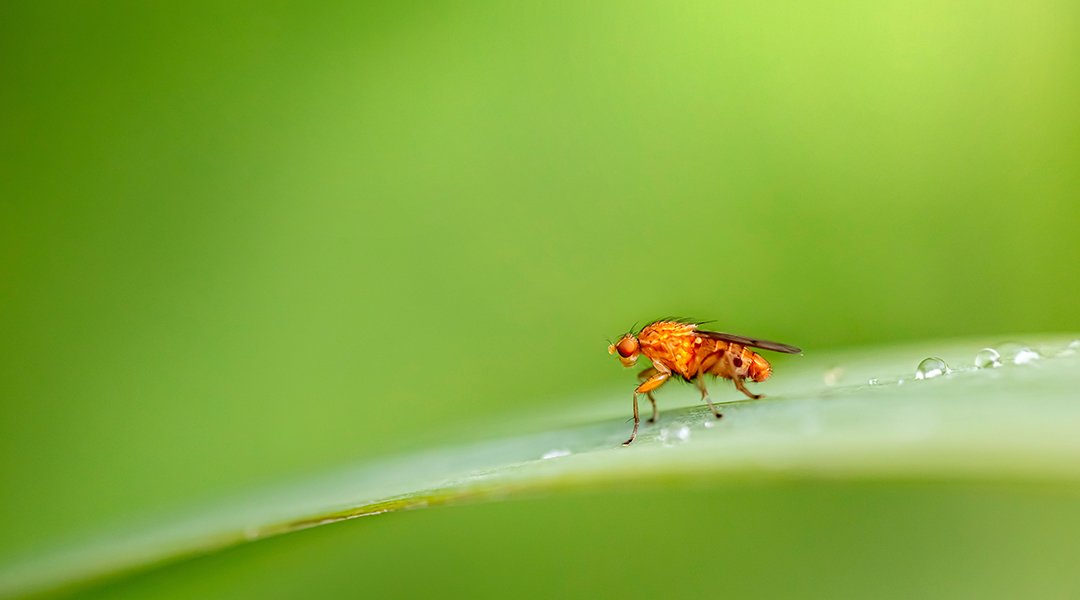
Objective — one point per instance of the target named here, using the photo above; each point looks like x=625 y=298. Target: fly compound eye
x=627 y=347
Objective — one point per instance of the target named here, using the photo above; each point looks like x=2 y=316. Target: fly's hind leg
x=738 y=379
x=700 y=381
x=644 y=376
x=726 y=368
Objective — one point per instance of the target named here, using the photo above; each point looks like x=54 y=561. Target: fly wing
x=745 y=341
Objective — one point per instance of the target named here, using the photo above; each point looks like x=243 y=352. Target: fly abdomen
x=748 y=364
x=759 y=368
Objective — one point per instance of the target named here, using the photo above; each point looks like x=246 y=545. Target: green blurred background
x=240 y=242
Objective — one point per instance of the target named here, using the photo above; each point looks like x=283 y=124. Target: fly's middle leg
x=700 y=381
x=655 y=413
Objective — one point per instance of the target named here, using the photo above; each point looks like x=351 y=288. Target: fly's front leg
x=644 y=376
x=738 y=379
x=650 y=384
x=700 y=381
x=633 y=434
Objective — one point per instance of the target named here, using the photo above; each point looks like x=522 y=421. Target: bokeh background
x=248 y=240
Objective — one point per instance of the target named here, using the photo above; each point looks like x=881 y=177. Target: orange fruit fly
x=678 y=347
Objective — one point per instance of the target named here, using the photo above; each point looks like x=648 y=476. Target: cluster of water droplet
x=991 y=358
x=987 y=358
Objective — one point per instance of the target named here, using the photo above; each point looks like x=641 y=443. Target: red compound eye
x=627 y=347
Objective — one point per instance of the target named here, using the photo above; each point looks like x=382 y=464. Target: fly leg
x=738 y=379
x=707 y=365
x=650 y=384
x=700 y=381
x=633 y=434
x=727 y=369
x=644 y=376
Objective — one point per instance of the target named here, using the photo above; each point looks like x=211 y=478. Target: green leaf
x=858 y=415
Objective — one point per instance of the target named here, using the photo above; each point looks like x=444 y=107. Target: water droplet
x=899 y=382
x=684 y=433
x=987 y=358
x=709 y=423
x=1017 y=353
x=555 y=453
x=1026 y=355
x=931 y=367
x=1070 y=350
x=873 y=382
x=833 y=376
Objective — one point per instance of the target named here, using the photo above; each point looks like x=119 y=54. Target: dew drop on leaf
x=987 y=358
x=1070 y=350
x=1025 y=356
x=832 y=376
x=555 y=453
x=931 y=367
x=1018 y=353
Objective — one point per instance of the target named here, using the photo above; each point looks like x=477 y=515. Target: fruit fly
x=678 y=347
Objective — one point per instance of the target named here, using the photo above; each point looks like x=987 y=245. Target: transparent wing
x=746 y=341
